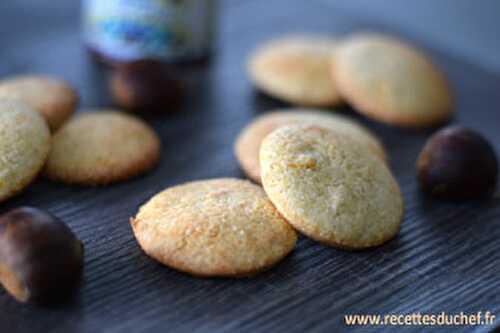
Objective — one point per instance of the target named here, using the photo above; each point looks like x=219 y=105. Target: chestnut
x=144 y=85
x=457 y=163
x=41 y=260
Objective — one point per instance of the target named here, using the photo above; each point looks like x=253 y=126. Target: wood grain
x=446 y=258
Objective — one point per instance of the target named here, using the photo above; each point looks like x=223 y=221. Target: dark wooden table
x=447 y=257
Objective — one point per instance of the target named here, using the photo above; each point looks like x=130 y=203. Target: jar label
x=137 y=29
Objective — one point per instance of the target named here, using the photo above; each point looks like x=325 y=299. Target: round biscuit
x=390 y=81
x=24 y=146
x=296 y=69
x=102 y=147
x=220 y=227
x=330 y=187
x=54 y=99
x=247 y=145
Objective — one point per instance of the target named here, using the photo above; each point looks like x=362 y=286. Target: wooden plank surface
x=446 y=258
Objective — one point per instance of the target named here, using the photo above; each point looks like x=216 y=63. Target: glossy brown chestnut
x=145 y=85
x=457 y=163
x=41 y=260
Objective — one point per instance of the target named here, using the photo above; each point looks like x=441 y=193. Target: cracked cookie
x=330 y=187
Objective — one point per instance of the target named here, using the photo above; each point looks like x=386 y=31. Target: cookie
x=391 y=82
x=54 y=99
x=296 y=69
x=247 y=145
x=102 y=147
x=220 y=227
x=24 y=146
x=330 y=187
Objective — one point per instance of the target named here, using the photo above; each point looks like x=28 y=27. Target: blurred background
x=469 y=29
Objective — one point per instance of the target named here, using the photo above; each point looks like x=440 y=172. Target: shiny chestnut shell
x=41 y=260
x=145 y=85
x=457 y=163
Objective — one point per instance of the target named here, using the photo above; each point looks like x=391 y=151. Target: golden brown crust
x=330 y=187
x=392 y=82
x=247 y=145
x=102 y=147
x=24 y=146
x=296 y=69
x=221 y=227
x=53 y=98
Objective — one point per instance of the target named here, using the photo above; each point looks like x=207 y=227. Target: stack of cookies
x=323 y=174
x=93 y=148
x=380 y=76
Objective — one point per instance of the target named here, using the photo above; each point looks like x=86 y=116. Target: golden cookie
x=391 y=82
x=24 y=146
x=296 y=69
x=56 y=100
x=247 y=145
x=101 y=147
x=220 y=227
x=330 y=187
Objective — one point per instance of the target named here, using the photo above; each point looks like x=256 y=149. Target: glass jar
x=167 y=30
